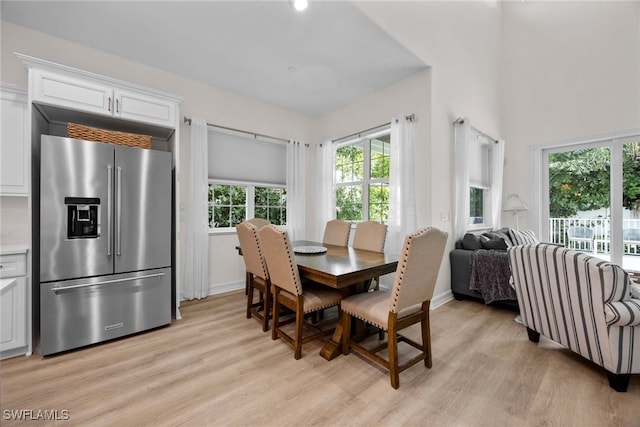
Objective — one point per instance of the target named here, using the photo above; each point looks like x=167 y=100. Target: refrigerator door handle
x=109 y=209
x=107 y=282
x=119 y=211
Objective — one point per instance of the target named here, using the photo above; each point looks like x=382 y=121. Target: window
x=476 y=205
x=232 y=203
x=362 y=180
x=593 y=188
x=479 y=183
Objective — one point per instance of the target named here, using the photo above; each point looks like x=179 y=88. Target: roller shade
x=237 y=158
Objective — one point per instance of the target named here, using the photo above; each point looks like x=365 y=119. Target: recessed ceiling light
x=300 y=5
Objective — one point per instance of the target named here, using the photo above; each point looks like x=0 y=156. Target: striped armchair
x=581 y=302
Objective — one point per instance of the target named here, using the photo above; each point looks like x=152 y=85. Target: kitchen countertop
x=13 y=249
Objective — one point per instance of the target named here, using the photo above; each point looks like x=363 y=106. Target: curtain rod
x=255 y=135
x=460 y=121
x=410 y=117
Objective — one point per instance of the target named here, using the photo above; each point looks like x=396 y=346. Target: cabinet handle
x=117 y=105
x=109 y=106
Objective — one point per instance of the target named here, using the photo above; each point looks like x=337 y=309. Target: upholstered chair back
x=258 y=222
x=251 y=250
x=370 y=236
x=336 y=233
x=418 y=268
x=579 y=301
x=281 y=261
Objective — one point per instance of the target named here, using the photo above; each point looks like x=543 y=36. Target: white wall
x=460 y=41
x=529 y=72
x=215 y=105
x=569 y=70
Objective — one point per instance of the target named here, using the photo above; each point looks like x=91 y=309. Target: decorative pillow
x=500 y=234
x=471 y=242
x=635 y=291
x=526 y=237
x=496 y=243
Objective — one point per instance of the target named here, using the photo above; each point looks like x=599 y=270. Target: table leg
x=333 y=347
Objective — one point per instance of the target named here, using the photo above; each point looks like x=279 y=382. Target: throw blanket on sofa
x=490 y=275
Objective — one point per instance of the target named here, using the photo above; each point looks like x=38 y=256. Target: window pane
x=270 y=203
x=238 y=214
x=631 y=206
x=222 y=217
x=261 y=196
x=350 y=163
x=380 y=149
x=221 y=195
x=238 y=195
x=579 y=199
x=349 y=203
x=476 y=211
x=379 y=202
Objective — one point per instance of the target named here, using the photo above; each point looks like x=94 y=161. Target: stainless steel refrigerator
x=105 y=241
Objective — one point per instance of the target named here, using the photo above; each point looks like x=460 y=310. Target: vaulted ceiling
x=311 y=62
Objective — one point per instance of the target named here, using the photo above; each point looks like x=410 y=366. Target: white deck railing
x=559 y=227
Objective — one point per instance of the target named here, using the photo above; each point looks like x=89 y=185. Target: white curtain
x=461 y=131
x=196 y=277
x=402 y=203
x=497 y=171
x=325 y=196
x=465 y=158
x=296 y=175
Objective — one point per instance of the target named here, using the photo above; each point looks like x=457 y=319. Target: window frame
x=367 y=180
x=487 y=214
x=249 y=200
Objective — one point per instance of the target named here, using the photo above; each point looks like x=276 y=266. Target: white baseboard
x=221 y=288
x=436 y=301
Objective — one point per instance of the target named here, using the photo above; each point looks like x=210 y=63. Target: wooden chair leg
x=426 y=339
x=276 y=316
x=345 y=323
x=618 y=382
x=266 y=312
x=533 y=335
x=392 y=343
x=249 y=294
x=297 y=342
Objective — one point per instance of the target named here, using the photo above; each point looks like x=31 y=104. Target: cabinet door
x=14 y=152
x=78 y=94
x=13 y=316
x=139 y=107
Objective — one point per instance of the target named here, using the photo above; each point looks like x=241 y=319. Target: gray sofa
x=480 y=267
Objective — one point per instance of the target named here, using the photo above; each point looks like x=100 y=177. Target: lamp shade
x=514 y=204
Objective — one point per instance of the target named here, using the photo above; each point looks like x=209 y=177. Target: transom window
x=362 y=180
x=232 y=203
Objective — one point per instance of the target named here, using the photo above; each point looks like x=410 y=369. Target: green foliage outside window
x=579 y=180
x=227 y=205
x=353 y=180
x=271 y=204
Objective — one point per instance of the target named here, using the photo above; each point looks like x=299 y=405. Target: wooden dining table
x=344 y=268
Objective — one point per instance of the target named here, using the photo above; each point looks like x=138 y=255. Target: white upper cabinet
x=14 y=145
x=78 y=90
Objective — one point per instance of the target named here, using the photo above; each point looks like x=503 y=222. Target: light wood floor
x=215 y=367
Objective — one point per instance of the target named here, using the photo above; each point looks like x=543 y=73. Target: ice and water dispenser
x=83 y=221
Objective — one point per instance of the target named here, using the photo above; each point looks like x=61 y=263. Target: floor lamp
x=515 y=204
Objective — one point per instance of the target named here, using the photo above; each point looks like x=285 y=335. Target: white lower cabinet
x=13 y=305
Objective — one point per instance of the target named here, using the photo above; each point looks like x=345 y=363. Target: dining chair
x=258 y=222
x=370 y=236
x=336 y=232
x=407 y=304
x=289 y=292
x=257 y=273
